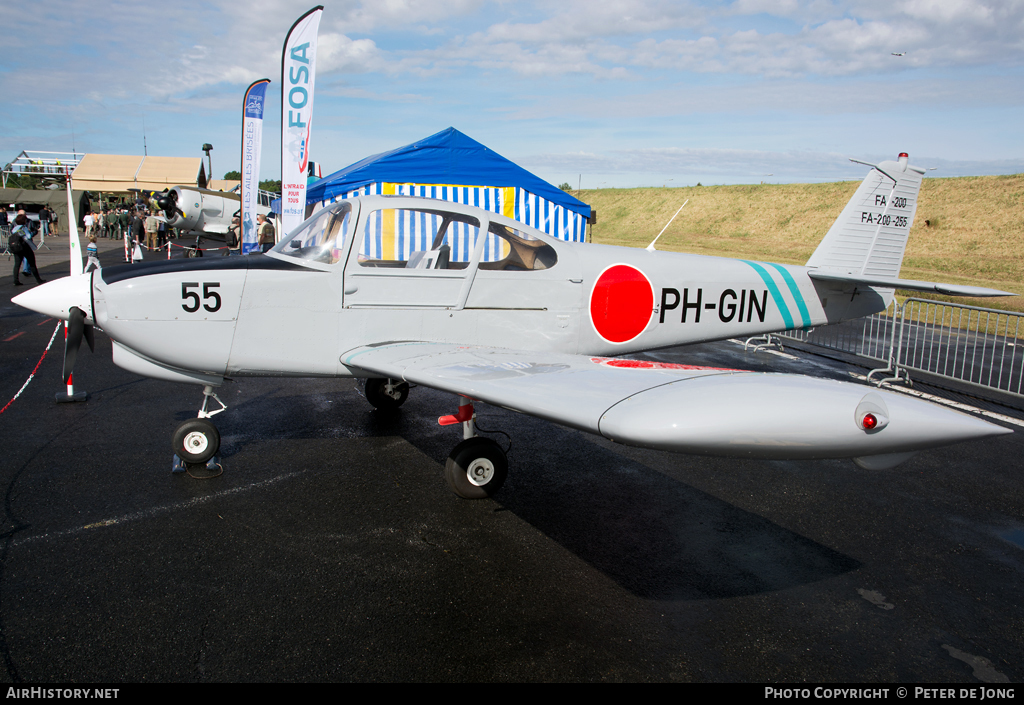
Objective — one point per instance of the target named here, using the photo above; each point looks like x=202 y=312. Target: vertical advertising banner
x=76 y=247
x=252 y=150
x=298 y=70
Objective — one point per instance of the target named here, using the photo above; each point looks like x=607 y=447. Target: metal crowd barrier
x=973 y=345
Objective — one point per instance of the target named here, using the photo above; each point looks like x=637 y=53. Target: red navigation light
x=869 y=422
x=904 y=154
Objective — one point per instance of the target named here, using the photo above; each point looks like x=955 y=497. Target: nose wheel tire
x=196 y=441
x=384 y=394
x=476 y=468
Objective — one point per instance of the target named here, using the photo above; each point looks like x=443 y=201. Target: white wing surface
x=680 y=408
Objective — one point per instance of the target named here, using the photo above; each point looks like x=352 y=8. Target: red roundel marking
x=621 y=303
x=648 y=365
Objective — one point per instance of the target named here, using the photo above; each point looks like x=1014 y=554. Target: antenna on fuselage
x=650 y=248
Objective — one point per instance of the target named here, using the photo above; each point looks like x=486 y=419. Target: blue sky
x=603 y=93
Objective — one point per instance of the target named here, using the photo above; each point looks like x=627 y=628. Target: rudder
x=870 y=236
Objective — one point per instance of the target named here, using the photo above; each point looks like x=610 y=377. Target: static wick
x=650 y=248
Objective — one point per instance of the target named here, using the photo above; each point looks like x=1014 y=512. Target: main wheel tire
x=476 y=468
x=381 y=398
x=196 y=441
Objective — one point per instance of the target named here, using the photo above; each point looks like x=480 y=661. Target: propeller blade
x=76 y=330
x=90 y=338
x=168 y=203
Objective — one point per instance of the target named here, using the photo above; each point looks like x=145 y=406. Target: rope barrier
x=192 y=247
x=184 y=247
x=169 y=245
x=52 y=337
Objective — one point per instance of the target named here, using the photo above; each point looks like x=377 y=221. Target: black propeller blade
x=168 y=203
x=76 y=331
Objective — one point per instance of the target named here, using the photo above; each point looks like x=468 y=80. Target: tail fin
x=870 y=235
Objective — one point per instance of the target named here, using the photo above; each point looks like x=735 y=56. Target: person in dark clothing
x=124 y=219
x=21 y=250
x=137 y=233
x=44 y=224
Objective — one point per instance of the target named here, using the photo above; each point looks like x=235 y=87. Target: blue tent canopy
x=448 y=157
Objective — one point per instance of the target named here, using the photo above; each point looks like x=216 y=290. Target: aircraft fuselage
x=280 y=315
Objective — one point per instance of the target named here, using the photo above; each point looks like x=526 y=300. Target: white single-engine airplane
x=401 y=290
x=199 y=210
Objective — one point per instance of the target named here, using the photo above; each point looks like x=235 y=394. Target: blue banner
x=252 y=149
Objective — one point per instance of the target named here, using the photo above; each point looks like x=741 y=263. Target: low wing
x=909 y=284
x=681 y=408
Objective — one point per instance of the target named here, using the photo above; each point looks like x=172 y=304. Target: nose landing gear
x=197 y=441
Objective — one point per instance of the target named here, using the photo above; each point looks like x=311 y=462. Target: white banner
x=252 y=150
x=298 y=71
x=76 y=247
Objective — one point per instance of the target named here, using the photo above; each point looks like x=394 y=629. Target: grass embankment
x=974 y=232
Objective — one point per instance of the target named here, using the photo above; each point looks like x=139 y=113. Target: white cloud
x=578 y=65
x=338 y=53
x=620 y=39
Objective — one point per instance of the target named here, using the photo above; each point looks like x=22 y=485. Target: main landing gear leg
x=477 y=467
x=385 y=394
x=197 y=441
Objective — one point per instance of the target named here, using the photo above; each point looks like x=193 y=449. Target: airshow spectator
x=163 y=230
x=27 y=233
x=124 y=220
x=136 y=233
x=21 y=249
x=93 y=251
x=234 y=239
x=44 y=223
x=265 y=231
x=152 y=229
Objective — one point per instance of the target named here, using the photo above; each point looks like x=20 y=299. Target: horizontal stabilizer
x=909 y=284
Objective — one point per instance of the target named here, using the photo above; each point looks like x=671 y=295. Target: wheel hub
x=196 y=442
x=480 y=472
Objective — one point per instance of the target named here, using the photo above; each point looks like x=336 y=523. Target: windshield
x=320 y=238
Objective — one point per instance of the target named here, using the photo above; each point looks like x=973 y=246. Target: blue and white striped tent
x=452 y=167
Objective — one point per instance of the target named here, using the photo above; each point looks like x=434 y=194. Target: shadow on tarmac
x=654 y=535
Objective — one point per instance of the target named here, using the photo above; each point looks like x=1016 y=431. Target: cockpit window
x=407 y=238
x=509 y=249
x=321 y=238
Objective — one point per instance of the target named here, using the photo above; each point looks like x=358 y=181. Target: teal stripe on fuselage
x=776 y=294
x=805 y=315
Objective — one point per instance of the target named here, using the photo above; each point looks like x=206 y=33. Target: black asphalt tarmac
x=331 y=549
